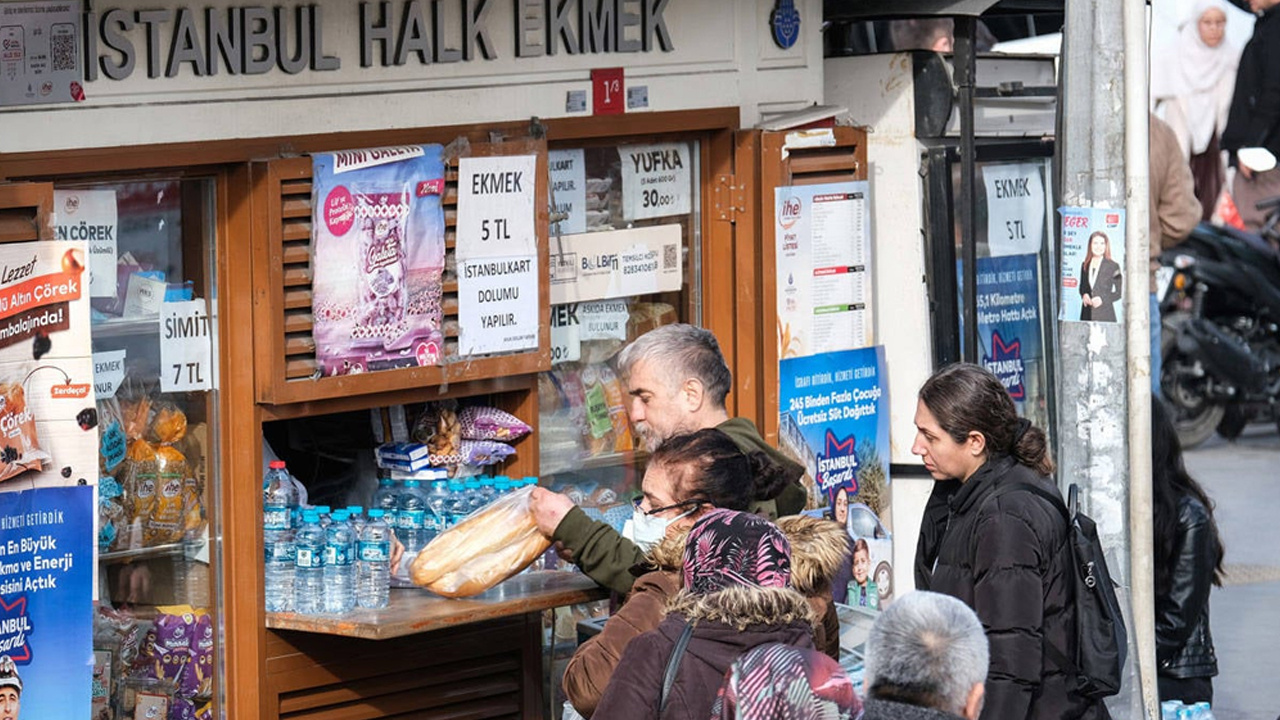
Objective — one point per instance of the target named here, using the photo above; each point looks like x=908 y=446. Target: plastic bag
x=485 y=452
x=166 y=523
x=486 y=548
x=489 y=423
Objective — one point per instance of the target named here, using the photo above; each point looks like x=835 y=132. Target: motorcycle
x=1220 y=309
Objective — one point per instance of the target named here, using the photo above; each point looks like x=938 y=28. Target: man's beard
x=649 y=439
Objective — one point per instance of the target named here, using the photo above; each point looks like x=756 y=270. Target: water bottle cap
x=472 y=484
x=412 y=483
x=386 y=481
x=530 y=480
x=376 y=513
x=340 y=515
x=486 y=481
x=355 y=509
x=310 y=517
x=322 y=509
x=276 y=464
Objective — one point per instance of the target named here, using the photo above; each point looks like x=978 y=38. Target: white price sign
x=606 y=320
x=497 y=305
x=569 y=190
x=1015 y=208
x=495 y=207
x=566 y=341
x=108 y=373
x=186 y=358
x=655 y=180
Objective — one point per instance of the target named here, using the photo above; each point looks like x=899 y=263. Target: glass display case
x=154 y=336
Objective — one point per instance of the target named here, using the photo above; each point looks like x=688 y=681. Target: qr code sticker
x=62 y=48
x=670 y=255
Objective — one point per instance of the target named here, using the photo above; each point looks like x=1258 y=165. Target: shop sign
x=186 y=358
x=497 y=305
x=254 y=39
x=656 y=180
x=1092 y=291
x=46 y=595
x=495 y=207
x=1015 y=208
x=40 y=53
x=91 y=216
x=568 y=190
x=619 y=263
x=823 y=253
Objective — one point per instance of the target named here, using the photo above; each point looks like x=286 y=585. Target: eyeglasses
x=640 y=498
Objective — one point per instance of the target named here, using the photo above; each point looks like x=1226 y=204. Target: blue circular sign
x=785 y=20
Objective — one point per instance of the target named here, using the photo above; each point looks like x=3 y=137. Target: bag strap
x=673 y=665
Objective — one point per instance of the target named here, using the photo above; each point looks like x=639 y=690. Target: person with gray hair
x=678 y=380
x=926 y=659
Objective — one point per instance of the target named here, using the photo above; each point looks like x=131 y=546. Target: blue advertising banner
x=834 y=419
x=46 y=580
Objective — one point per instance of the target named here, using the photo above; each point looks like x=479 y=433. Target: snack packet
x=616 y=397
x=478 y=422
x=19 y=446
x=485 y=452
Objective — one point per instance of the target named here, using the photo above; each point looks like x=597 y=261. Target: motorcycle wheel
x=1195 y=416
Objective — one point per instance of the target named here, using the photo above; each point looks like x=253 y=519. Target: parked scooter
x=1221 y=330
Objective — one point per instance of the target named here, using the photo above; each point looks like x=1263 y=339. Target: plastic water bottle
x=437 y=516
x=386 y=498
x=279 y=498
x=373 y=584
x=1202 y=711
x=278 y=569
x=488 y=491
x=410 y=517
x=308 y=584
x=472 y=495
x=325 y=513
x=457 y=502
x=339 y=565
x=355 y=517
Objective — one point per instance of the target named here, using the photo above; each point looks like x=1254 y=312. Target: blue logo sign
x=838 y=464
x=785 y=20
x=1005 y=362
x=15 y=627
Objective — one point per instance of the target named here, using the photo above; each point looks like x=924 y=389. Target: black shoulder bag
x=673 y=665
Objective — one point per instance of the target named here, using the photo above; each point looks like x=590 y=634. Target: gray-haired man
x=678 y=380
x=926 y=660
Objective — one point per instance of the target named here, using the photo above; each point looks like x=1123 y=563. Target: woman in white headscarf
x=1191 y=87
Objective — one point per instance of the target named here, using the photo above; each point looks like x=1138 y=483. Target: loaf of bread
x=483 y=550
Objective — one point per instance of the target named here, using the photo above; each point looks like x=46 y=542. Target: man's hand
x=1244 y=170
x=549 y=508
x=397 y=553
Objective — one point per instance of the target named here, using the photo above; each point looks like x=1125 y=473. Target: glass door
x=153 y=335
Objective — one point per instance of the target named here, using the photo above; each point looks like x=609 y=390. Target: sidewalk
x=1242 y=479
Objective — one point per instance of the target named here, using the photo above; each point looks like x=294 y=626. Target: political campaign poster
x=1092 y=283
x=46 y=588
x=378 y=236
x=823 y=253
x=834 y=420
x=1015 y=207
x=1010 y=329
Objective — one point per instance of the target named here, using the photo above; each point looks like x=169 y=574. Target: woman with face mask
x=687 y=477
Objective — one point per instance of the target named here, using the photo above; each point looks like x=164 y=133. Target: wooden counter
x=414 y=611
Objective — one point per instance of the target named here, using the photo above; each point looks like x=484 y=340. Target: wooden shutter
x=765 y=163
x=26 y=212
x=286 y=366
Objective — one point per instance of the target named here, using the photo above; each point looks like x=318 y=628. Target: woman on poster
x=1100 y=281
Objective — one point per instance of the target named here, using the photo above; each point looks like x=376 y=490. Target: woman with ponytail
x=1003 y=552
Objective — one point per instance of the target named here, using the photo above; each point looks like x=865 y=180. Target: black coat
x=1007 y=558
x=1108 y=287
x=1254 y=120
x=1184 y=646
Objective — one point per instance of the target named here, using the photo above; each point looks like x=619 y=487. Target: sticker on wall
x=656 y=180
x=1092 y=264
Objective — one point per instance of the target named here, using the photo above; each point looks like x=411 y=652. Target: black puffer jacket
x=1007 y=559
x=1254 y=120
x=1184 y=647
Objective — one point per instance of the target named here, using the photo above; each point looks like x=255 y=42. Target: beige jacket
x=1174 y=208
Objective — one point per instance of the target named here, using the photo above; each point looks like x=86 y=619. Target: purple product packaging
x=378 y=258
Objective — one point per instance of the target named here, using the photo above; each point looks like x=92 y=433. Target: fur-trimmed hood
x=668 y=554
x=818 y=548
x=741 y=606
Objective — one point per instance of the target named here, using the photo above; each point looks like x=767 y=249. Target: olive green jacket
x=606 y=557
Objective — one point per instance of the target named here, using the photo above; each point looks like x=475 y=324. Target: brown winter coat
x=817 y=549
x=725 y=625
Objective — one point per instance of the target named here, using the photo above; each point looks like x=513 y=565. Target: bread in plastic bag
x=480 y=422
x=489 y=546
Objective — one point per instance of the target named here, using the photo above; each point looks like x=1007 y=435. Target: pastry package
x=166 y=521
x=616 y=396
x=19 y=446
x=138 y=474
x=484 y=452
x=479 y=422
x=378 y=259
x=438 y=428
x=489 y=546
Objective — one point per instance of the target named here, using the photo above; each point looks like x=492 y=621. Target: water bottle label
x=308 y=558
x=275 y=517
x=435 y=523
x=410 y=519
x=336 y=555
x=375 y=551
x=280 y=552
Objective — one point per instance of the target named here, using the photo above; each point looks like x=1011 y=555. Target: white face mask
x=646 y=531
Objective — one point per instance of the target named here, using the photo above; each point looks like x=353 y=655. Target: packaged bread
x=616 y=396
x=166 y=521
x=488 y=547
